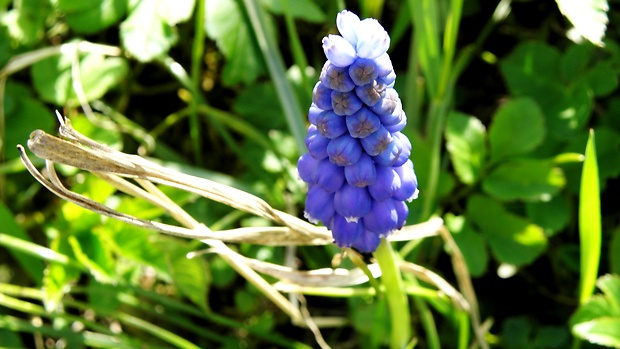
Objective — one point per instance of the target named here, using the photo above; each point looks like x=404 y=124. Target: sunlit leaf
x=466 y=143
x=588 y=16
x=146 y=34
x=598 y=320
x=513 y=239
x=517 y=128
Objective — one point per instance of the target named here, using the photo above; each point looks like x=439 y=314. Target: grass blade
x=589 y=222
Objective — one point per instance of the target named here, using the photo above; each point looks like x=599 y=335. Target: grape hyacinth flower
x=357 y=167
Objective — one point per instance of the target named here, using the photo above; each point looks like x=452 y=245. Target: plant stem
x=197 y=53
x=395 y=295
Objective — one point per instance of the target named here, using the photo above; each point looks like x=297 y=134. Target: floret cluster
x=357 y=167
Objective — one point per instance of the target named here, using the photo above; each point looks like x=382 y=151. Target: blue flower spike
x=357 y=166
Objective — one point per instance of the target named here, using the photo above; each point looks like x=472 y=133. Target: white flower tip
x=351 y=219
x=310 y=218
x=414 y=196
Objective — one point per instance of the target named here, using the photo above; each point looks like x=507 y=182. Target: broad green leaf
x=602 y=79
x=176 y=11
x=24 y=114
x=258 y=104
x=516 y=332
x=190 y=276
x=466 y=143
x=583 y=64
x=567 y=115
x=303 y=9
x=588 y=16
x=31 y=265
x=26 y=20
x=614 y=255
x=225 y=23
x=552 y=216
x=590 y=230
x=53 y=80
x=146 y=34
x=532 y=69
x=513 y=239
x=88 y=251
x=470 y=242
x=92 y=16
x=598 y=320
x=524 y=179
x=517 y=128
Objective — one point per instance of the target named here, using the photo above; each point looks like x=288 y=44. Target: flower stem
x=395 y=295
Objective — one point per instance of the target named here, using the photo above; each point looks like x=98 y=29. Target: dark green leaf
x=304 y=9
x=513 y=239
x=470 y=242
x=524 y=179
x=531 y=69
x=146 y=34
x=92 y=16
x=517 y=128
x=32 y=265
x=190 y=276
x=23 y=115
x=552 y=216
x=226 y=25
x=466 y=143
x=567 y=115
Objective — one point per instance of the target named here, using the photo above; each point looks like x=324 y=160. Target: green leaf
x=176 y=11
x=513 y=239
x=24 y=114
x=598 y=320
x=146 y=34
x=465 y=137
x=303 y=9
x=58 y=277
x=567 y=115
x=89 y=17
x=26 y=21
x=588 y=16
x=470 y=242
x=517 y=128
x=552 y=216
x=532 y=69
x=31 y=265
x=190 y=276
x=226 y=25
x=524 y=179
x=589 y=222
x=53 y=80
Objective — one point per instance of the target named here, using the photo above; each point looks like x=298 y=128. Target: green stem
x=395 y=295
x=198 y=49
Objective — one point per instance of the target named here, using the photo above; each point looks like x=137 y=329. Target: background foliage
x=500 y=101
